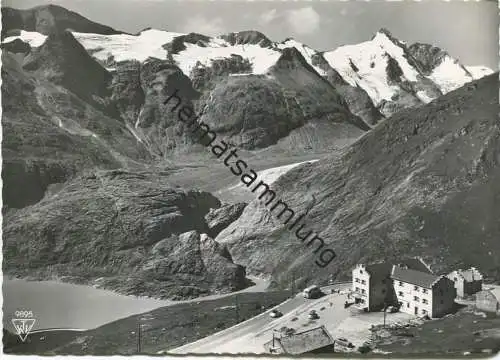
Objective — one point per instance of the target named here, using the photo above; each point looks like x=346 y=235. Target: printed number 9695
x=24 y=313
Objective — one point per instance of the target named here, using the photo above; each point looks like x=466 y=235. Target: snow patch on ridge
x=478 y=72
x=449 y=75
x=33 y=38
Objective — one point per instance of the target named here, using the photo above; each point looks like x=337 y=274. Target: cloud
x=304 y=20
x=203 y=25
x=268 y=16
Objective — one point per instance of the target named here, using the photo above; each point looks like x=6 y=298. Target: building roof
x=383 y=269
x=414 y=264
x=306 y=341
x=414 y=277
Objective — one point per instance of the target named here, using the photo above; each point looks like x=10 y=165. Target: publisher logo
x=23 y=323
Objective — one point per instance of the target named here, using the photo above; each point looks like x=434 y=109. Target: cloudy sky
x=467 y=29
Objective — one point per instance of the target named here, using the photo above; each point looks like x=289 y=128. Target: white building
x=423 y=294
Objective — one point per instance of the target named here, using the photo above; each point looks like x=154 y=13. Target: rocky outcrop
x=47 y=19
x=177 y=45
x=239 y=108
x=158 y=122
x=62 y=60
x=205 y=78
x=127 y=94
x=400 y=190
x=132 y=229
x=16 y=46
x=220 y=218
x=426 y=57
x=247 y=37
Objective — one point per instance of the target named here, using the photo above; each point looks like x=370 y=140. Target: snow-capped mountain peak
x=393 y=74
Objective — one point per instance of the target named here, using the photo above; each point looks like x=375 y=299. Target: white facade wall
x=361 y=284
x=415 y=300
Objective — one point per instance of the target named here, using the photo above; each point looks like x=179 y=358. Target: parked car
x=313 y=315
x=275 y=314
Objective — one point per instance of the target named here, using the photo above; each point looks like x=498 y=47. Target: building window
x=425 y=301
x=415 y=288
x=360 y=271
x=362 y=301
x=455 y=279
x=424 y=312
x=363 y=282
x=400 y=283
x=407 y=305
x=363 y=291
x=415 y=298
x=357 y=280
x=441 y=292
x=400 y=293
x=424 y=291
x=442 y=302
x=357 y=289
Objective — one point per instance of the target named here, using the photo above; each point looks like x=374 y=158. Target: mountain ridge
x=263 y=53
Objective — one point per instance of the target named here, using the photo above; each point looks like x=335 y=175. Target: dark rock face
x=48 y=19
x=205 y=78
x=16 y=46
x=220 y=218
x=358 y=101
x=393 y=70
x=240 y=107
x=50 y=134
x=126 y=90
x=426 y=57
x=64 y=61
x=248 y=37
x=158 y=122
x=132 y=229
x=177 y=45
x=400 y=190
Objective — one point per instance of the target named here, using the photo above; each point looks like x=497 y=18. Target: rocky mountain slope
x=421 y=183
x=91 y=150
x=130 y=230
x=50 y=132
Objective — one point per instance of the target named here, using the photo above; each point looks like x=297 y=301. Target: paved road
x=251 y=334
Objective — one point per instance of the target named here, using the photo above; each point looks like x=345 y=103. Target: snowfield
x=450 y=75
x=127 y=47
x=260 y=58
x=269 y=176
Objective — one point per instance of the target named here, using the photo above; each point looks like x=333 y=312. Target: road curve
x=249 y=327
